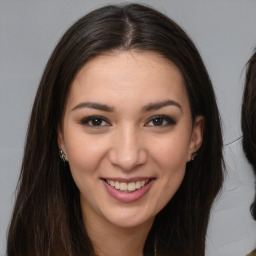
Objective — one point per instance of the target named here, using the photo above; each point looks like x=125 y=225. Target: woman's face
x=127 y=134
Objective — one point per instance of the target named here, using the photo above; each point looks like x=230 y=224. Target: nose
x=128 y=151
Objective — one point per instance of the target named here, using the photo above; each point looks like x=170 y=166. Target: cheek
x=84 y=157
x=172 y=152
x=170 y=158
x=84 y=154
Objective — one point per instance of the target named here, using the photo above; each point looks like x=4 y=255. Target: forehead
x=143 y=76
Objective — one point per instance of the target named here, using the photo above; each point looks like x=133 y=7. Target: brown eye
x=95 y=121
x=161 y=121
x=158 y=121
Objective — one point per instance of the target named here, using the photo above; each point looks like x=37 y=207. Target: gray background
x=225 y=34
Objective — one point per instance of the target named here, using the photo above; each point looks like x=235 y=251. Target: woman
x=126 y=100
x=248 y=120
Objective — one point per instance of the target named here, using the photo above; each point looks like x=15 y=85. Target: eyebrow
x=149 y=107
x=94 y=105
x=161 y=104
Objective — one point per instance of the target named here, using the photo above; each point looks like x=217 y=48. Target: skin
x=127 y=141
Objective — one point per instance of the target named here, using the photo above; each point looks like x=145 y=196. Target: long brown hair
x=47 y=215
x=248 y=118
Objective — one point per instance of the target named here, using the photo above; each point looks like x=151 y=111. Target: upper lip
x=133 y=179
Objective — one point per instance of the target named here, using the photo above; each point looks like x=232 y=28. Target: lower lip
x=128 y=197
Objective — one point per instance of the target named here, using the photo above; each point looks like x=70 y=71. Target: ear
x=61 y=141
x=196 y=138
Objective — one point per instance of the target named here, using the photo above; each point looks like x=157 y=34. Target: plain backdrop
x=224 y=32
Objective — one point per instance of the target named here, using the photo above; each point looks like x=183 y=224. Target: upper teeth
x=127 y=187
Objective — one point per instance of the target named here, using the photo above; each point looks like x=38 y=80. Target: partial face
x=127 y=134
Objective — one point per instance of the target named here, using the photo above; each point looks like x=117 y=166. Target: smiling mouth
x=128 y=186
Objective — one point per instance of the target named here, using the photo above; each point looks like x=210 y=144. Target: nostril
x=127 y=155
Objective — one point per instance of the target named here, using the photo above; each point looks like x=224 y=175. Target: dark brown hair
x=47 y=214
x=249 y=119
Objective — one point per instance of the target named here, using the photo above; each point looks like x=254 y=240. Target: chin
x=129 y=219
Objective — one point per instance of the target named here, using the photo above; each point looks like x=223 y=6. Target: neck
x=109 y=240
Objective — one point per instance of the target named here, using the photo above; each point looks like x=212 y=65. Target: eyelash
x=86 y=121
x=164 y=121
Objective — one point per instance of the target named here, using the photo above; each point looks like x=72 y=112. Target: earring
x=62 y=155
x=193 y=155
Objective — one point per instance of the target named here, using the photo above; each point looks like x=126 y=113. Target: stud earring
x=193 y=155
x=62 y=156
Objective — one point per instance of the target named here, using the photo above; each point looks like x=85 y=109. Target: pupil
x=158 y=121
x=96 y=122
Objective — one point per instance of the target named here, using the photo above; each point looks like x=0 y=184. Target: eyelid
x=87 y=119
x=167 y=119
x=170 y=121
